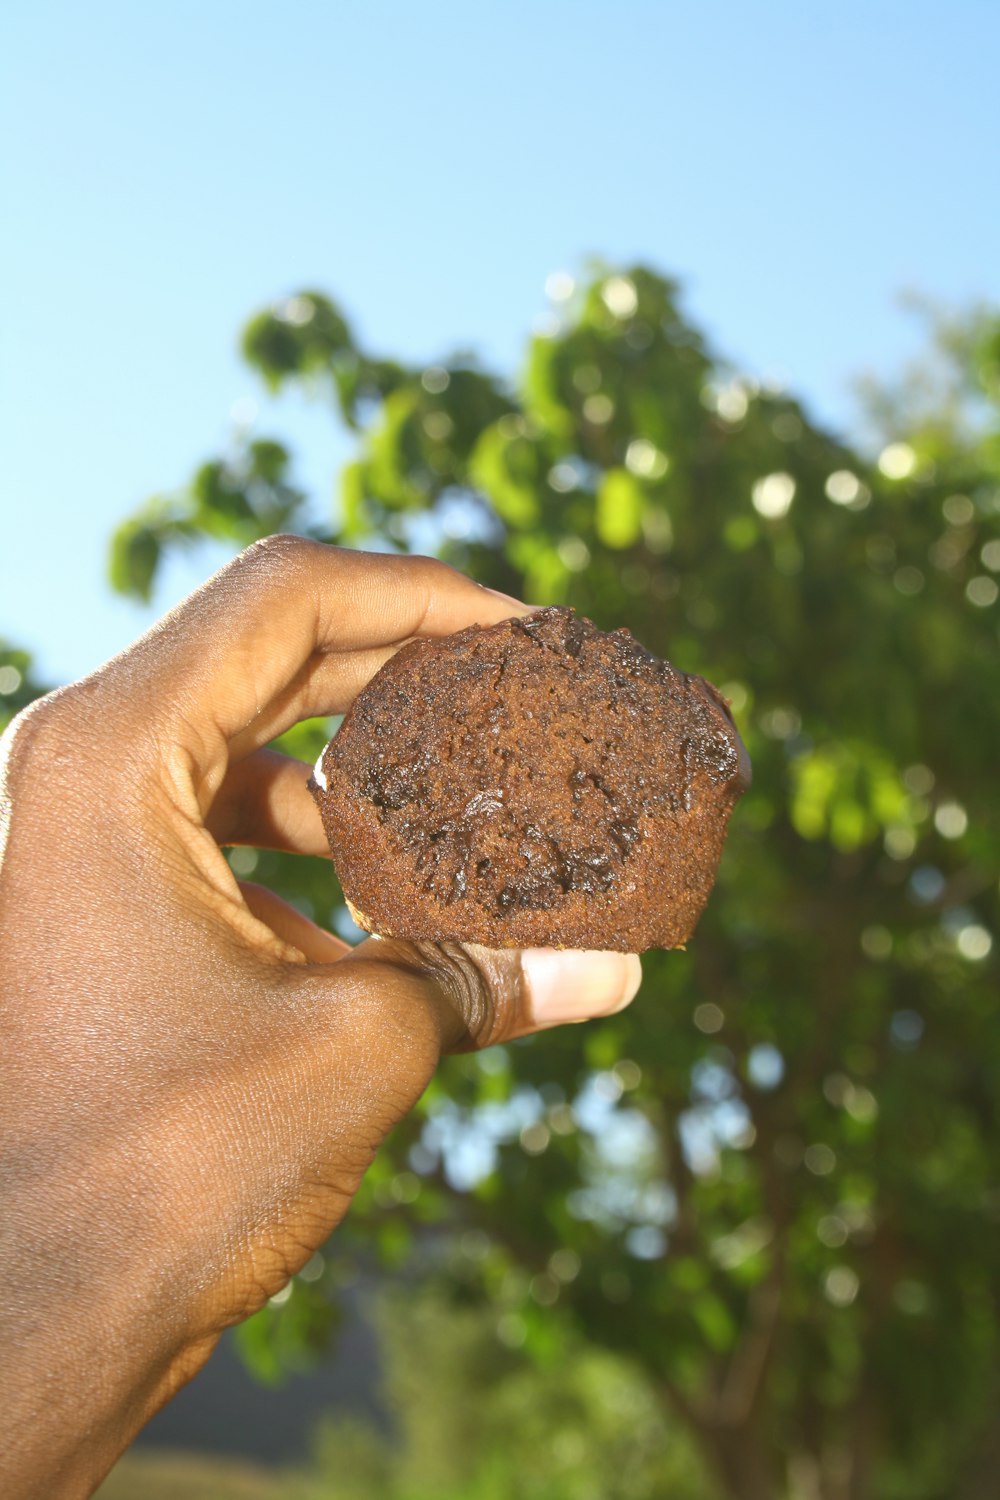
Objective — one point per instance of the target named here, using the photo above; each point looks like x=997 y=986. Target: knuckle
x=70 y=741
x=417 y=568
x=432 y=569
x=470 y=983
x=38 y=730
x=425 y=580
x=473 y=993
x=281 y=553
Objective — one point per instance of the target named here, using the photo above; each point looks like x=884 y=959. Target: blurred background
x=688 y=316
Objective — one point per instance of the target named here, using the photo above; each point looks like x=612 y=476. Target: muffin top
x=537 y=782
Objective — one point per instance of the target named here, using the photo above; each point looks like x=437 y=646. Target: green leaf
x=218 y=495
x=543 y=398
x=394 y=473
x=18 y=685
x=618 y=514
x=850 y=791
x=504 y=466
x=353 y=521
x=269 y=459
x=545 y=574
x=297 y=336
x=134 y=559
x=714 y=1319
x=289 y=1332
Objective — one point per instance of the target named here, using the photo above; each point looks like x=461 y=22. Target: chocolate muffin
x=536 y=783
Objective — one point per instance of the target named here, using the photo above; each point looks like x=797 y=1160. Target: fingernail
x=574 y=985
x=517 y=606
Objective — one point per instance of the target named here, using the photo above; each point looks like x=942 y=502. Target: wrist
x=97 y=1334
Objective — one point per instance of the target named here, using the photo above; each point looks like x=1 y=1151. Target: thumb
x=480 y=996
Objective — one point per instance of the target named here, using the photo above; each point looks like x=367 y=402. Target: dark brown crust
x=537 y=783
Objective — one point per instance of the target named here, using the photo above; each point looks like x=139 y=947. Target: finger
x=264 y=801
x=327 y=683
x=215 y=663
x=292 y=927
x=481 y=996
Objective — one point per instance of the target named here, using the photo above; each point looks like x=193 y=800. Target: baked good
x=539 y=782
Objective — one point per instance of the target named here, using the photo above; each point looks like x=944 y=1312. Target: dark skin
x=193 y=1077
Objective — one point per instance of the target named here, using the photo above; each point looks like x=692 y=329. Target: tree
x=595 y=1434
x=18 y=684
x=773 y=1182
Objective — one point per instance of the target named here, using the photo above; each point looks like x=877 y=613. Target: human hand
x=193 y=1077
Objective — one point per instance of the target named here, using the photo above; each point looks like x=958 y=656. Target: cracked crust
x=539 y=782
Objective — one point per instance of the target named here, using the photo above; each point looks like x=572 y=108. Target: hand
x=193 y=1077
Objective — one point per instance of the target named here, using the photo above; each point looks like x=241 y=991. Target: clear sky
x=170 y=168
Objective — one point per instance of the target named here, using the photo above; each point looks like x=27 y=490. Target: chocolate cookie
x=536 y=783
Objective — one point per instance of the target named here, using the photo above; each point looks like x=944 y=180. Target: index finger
x=268 y=632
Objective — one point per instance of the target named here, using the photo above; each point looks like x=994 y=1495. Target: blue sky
x=168 y=169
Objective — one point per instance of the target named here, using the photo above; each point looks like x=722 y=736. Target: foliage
x=773 y=1181
x=476 y=1420
x=145 y=1474
x=471 y=1419
x=18 y=684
